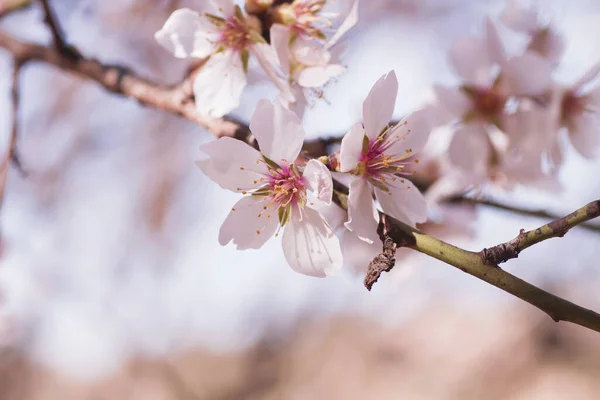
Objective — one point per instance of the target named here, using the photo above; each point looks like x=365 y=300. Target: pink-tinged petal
x=310 y=246
x=378 y=107
x=224 y=7
x=298 y=106
x=232 y=164
x=548 y=44
x=219 y=85
x=309 y=53
x=362 y=214
x=410 y=135
x=520 y=19
x=249 y=225
x=592 y=99
x=470 y=149
x=349 y=22
x=527 y=75
x=313 y=77
x=186 y=34
x=471 y=60
x=277 y=130
x=495 y=47
x=358 y=253
x=403 y=201
x=589 y=76
x=319 y=180
x=455 y=102
x=584 y=132
x=267 y=59
x=351 y=150
x=280 y=40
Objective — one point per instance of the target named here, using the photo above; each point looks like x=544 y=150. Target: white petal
x=590 y=75
x=470 y=149
x=358 y=253
x=519 y=19
x=349 y=22
x=584 y=132
x=248 y=224
x=186 y=34
x=378 y=107
x=232 y=164
x=527 y=74
x=225 y=7
x=277 y=130
x=267 y=59
x=452 y=100
x=495 y=47
x=351 y=151
x=309 y=53
x=319 y=180
x=471 y=60
x=362 y=214
x=298 y=106
x=412 y=133
x=403 y=202
x=219 y=84
x=548 y=44
x=280 y=40
x=318 y=76
x=310 y=246
x=593 y=99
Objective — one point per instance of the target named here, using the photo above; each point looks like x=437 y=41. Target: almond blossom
x=381 y=158
x=277 y=193
x=227 y=37
x=304 y=51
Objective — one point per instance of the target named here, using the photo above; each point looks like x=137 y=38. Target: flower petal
x=527 y=74
x=362 y=214
x=298 y=106
x=584 y=132
x=280 y=40
x=358 y=253
x=277 y=130
x=186 y=34
x=590 y=75
x=224 y=7
x=520 y=19
x=310 y=246
x=410 y=134
x=348 y=23
x=378 y=107
x=403 y=201
x=267 y=59
x=351 y=151
x=495 y=47
x=319 y=180
x=318 y=76
x=232 y=164
x=249 y=225
x=219 y=84
x=470 y=149
x=471 y=60
x=455 y=102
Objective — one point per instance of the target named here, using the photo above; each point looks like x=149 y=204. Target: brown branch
x=58 y=36
x=557 y=228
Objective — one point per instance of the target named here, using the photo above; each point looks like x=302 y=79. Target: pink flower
x=228 y=37
x=580 y=114
x=278 y=194
x=381 y=158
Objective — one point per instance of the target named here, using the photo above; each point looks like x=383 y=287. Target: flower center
x=571 y=105
x=302 y=16
x=235 y=32
x=380 y=165
x=487 y=104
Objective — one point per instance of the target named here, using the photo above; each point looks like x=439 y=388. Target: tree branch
x=58 y=36
x=557 y=228
x=122 y=81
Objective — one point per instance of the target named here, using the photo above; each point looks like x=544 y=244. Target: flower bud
x=284 y=14
x=257 y=6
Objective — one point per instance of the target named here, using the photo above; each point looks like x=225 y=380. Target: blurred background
x=113 y=284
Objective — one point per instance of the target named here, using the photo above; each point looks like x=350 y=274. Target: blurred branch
x=58 y=36
x=9 y=6
x=177 y=100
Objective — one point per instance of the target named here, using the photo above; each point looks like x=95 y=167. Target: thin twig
x=558 y=228
x=58 y=36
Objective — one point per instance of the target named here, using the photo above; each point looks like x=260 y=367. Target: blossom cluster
x=508 y=114
x=507 y=117
x=293 y=43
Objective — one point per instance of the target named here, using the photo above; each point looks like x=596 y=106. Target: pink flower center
x=234 y=34
x=302 y=16
x=571 y=105
x=382 y=166
x=487 y=103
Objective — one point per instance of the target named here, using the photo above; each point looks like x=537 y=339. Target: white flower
x=544 y=40
x=228 y=37
x=580 y=114
x=381 y=158
x=276 y=192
